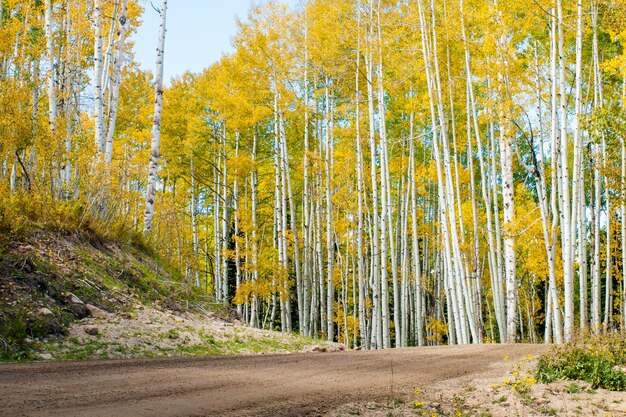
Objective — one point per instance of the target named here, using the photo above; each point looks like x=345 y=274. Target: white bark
x=377 y=334
x=116 y=81
x=555 y=146
x=330 y=244
x=97 y=77
x=565 y=195
x=194 y=222
x=494 y=270
x=51 y=77
x=360 y=197
x=153 y=166
x=417 y=273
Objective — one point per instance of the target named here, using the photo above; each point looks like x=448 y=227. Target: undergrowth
x=598 y=360
x=22 y=212
x=53 y=249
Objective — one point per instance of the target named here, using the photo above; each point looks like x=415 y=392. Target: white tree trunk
x=51 y=76
x=116 y=81
x=153 y=166
x=97 y=77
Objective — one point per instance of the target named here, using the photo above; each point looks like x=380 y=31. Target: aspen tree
x=506 y=165
x=360 y=194
x=236 y=214
x=254 y=184
x=116 y=81
x=51 y=78
x=330 y=243
x=385 y=217
x=98 y=69
x=225 y=217
x=307 y=268
x=156 y=125
x=577 y=174
x=495 y=272
x=596 y=290
x=555 y=146
x=377 y=327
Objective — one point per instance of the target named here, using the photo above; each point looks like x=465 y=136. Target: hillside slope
x=78 y=296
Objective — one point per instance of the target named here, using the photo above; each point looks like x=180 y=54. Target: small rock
x=45 y=311
x=28 y=340
x=341 y=348
x=319 y=349
x=74 y=299
x=97 y=312
x=45 y=356
x=91 y=330
x=78 y=310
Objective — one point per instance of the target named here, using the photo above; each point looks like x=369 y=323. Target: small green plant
x=521 y=381
x=597 y=360
x=500 y=400
x=549 y=411
x=172 y=334
x=573 y=388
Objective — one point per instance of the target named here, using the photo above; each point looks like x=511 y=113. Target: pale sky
x=198 y=33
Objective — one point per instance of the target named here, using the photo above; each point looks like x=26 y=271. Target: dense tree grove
x=381 y=173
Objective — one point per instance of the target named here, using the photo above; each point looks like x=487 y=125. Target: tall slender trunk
x=360 y=196
x=377 y=333
x=254 y=308
x=506 y=167
x=565 y=194
x=494 y=270
x=385 y=203
x=116 y=81
x=194 y=221
x=330 y=243
x=307 y=269
x=442 y=213
x=51 y=73
x=420 y=313
x=97 y=77
x=153 y=166
x=555 y=145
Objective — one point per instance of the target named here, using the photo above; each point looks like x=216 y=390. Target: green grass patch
x=598 y=360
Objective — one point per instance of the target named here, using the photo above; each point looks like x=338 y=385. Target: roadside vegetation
x=598 y=360
x=70 y=290
x=582 y=378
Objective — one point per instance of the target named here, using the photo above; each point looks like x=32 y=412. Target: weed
x=573 y=388
x=596 y=360
x=500 y=400
x=521 y=381
x=172 y=334
x=549 y=411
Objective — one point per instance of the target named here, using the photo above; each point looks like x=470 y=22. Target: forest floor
x=432 y=381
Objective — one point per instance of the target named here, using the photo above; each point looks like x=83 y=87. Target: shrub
x=598 y=360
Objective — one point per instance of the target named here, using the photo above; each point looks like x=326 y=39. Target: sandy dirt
x=148 y=332
x=268 y=385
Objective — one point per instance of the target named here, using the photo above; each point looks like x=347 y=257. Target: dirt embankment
x=268 y=385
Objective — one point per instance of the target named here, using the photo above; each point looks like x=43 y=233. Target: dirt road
x=265 y=385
